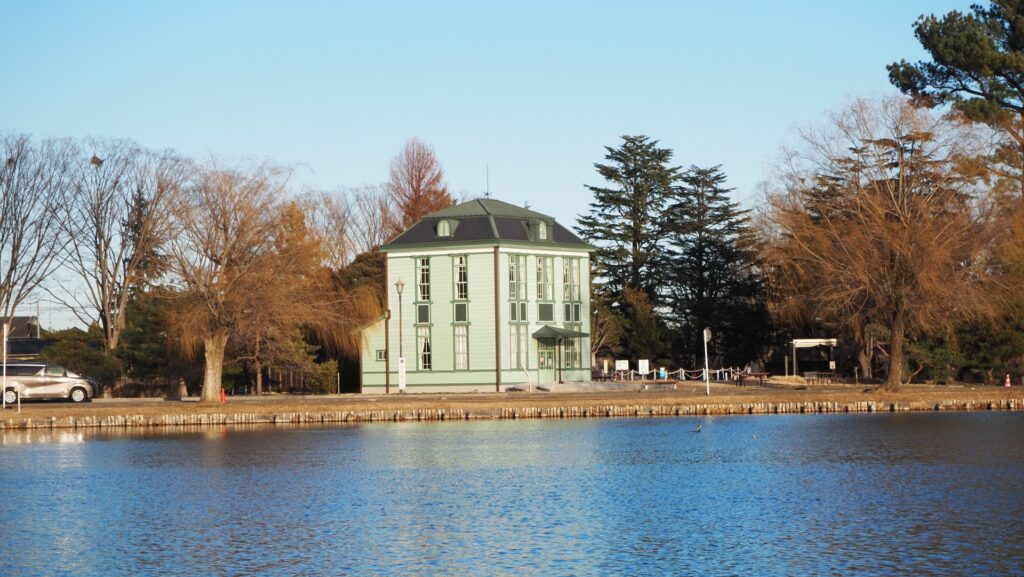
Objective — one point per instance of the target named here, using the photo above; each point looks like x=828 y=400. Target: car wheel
x=10 y=396
x=78 y=395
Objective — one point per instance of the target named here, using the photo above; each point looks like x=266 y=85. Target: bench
x=756 y=379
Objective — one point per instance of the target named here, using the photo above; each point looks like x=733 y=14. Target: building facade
x=481 y=296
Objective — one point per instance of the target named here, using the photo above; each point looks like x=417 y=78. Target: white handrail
x=529 y=381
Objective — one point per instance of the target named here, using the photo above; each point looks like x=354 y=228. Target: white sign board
x=707 y=335
x=401 y=375
x=621 y=365
x=643 y=366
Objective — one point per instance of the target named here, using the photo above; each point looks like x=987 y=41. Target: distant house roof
x=23 y=328
x=487 y=221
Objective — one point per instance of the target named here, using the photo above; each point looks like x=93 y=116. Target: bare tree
x=329 y=220
x=875 y=221
x=114 y=224
x=350 y=221
x=35 y=182
x=416 y=184
x=373 y=220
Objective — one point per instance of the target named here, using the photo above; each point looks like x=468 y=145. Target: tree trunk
x=258 y=365
x=213 y=347
x=895 y=378
x=259 y=377
x=864 y=360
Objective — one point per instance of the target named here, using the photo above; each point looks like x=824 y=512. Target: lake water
x=882 y=494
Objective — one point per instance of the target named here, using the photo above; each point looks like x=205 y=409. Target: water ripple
x=921 y=494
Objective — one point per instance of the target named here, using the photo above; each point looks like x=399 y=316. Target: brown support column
x=497 y=326
x=558 y=357
x=387 y=331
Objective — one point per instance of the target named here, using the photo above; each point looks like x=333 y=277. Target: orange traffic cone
x=1007 y=384
x=224 y=396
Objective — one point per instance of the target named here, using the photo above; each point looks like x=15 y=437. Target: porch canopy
x=550 y=332
x=811 y=343
x=558 y=335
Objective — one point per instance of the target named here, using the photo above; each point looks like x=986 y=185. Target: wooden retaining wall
x=460 y=414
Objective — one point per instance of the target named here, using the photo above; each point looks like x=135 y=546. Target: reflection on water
x=917 y=494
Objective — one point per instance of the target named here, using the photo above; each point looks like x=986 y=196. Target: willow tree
x=874 y=221
x=241 y=260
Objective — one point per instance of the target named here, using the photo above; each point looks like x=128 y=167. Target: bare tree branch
x=35 y=181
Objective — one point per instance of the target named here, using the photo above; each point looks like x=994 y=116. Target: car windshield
x=73 y=375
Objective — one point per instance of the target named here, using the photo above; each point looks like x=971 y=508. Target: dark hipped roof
x=486 y=220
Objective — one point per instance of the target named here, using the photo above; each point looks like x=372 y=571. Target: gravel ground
x=687 y=394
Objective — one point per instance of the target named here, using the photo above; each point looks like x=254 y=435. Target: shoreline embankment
x=489 y=406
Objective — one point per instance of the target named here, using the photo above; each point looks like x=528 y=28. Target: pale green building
x=481 y=296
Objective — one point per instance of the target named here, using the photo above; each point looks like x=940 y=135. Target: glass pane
x=546 y=312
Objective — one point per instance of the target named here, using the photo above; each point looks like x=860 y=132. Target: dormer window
x=542 y=231
x=444 y=228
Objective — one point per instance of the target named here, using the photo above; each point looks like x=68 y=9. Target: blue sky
x=535 y=90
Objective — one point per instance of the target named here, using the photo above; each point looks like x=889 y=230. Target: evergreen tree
x=624 y=225
x=83 y=352
x=713 y=280
x=977 y=66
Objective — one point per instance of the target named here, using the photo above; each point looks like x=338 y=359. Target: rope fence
x=728 y=374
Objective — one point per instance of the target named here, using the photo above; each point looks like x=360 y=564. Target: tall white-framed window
x=444 y=228
x=517 y=313
x=518 y=346
x=516 y=276
x=571 y=279
x=542 y=230
x=461 y=347
x=423 y=279
x=461 y=270
x=572 y=350
x=423 y=348
x=545 y=278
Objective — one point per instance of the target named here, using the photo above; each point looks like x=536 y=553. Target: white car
x=41 y=380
